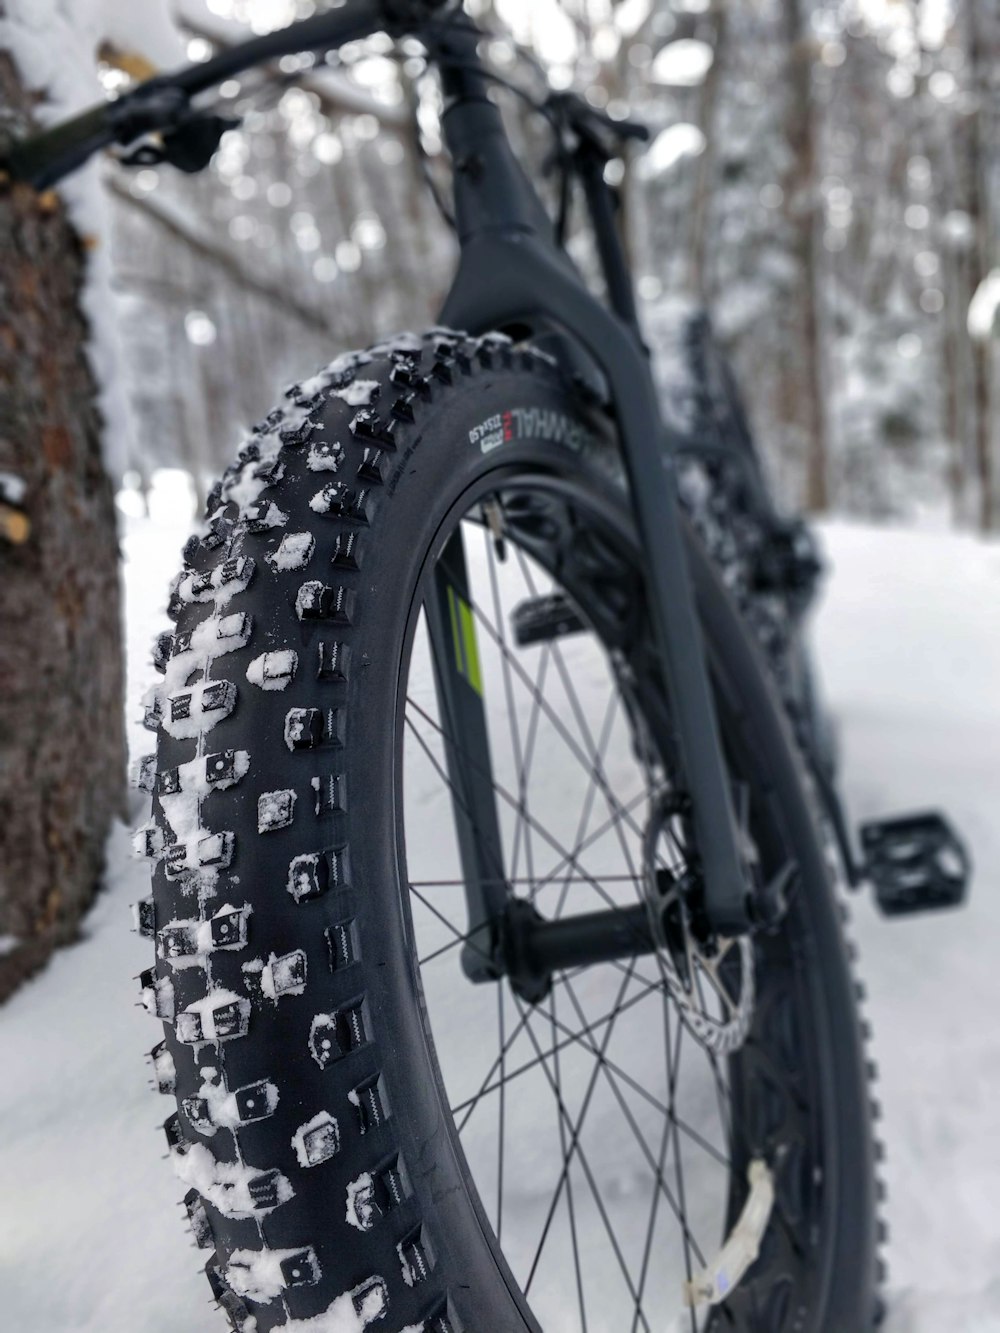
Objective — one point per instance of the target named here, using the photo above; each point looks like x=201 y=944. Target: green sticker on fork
x=463 y=633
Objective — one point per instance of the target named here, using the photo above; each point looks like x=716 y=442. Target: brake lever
x=189 y=146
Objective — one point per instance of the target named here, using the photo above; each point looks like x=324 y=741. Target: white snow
x=195 y=784
x=54 y=43
x=201 y=932
x=189 y=713
x=322 y=500
x=984 y=308
x=223 y=1108
x=670 y=146
x=293 y=551
x=225 y=1184
x=405 y=1267
x=297 y=722
x=359 y=393
x=310 y=594
x=361 y=1209
x=272 y=517
x=246 y=486
x=221 y=1103
x=909 y=641
x=227 y=579
x=350 y=1313
x=273 y=671
x=683 y=63
x=317 y=1140
x=302 y=875
x=279 y=976
x=257 y=1274
x=164 y=1069
x=13 y=489
x=275 y=809
x=158 y=998
x=325 y=456
x=204 y=1027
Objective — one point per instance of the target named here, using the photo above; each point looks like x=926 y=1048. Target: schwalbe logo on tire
x=530 y=423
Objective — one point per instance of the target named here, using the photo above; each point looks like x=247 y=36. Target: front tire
x=313 y=1126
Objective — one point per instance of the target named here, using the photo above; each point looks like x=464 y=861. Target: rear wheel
x=365 y=1133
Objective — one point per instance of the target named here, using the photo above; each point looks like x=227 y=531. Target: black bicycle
x=494 y=901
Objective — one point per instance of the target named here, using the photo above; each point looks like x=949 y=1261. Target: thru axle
x=528 y=948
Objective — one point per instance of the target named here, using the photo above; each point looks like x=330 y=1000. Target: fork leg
x=508 y=278
x=459 y=688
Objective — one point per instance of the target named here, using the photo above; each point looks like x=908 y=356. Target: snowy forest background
x=823 y=174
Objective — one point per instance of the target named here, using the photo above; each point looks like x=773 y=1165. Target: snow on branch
x=54 y=44
x=337 y=93
x=176 y=226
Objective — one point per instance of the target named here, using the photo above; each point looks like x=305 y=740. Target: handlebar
x=163 y=102
x=45 y=158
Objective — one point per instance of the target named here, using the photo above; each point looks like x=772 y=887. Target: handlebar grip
x=45 y=158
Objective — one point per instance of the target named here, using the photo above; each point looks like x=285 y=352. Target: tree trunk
x=708 y=160
x=804 y=387
x=980 y=64
x=61 y=732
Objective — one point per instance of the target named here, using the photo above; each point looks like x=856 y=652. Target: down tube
x=509 y=276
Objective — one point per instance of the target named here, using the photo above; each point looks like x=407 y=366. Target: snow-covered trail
x=909 y=640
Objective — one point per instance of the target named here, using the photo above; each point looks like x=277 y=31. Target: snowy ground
x=909 y=640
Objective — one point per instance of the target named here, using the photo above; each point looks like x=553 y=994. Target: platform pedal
x=541 y=619
x=915 y=863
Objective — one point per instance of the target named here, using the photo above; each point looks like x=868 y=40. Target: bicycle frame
x=510 y=273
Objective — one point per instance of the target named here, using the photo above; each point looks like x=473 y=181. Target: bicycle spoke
x=564 y=979
x=524 y=772
x=651 y=1228
x=597 y=771
x=674 y=1070
x=569 y=1182
x=573 y=879
x=510 y=800
x=576 y=1151
x=575 y=1134
x=558 y=726
x=456 y=794
x=589 y=802
x=488 y=1088
x=462 y=939
x=568 y=805
x=501 y=1122
x=607 y=1066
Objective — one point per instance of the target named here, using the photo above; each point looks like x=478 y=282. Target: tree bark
x=980 y=60
x=804 y=386
x=708 y=161
x=61 y=726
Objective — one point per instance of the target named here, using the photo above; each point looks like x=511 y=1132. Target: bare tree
x=61 y=734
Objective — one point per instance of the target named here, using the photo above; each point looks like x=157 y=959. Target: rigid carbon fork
x=512 y=274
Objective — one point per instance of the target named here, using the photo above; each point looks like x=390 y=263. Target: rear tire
x=313 y=1130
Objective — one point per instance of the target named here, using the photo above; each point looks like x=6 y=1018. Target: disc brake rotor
x=711 y=981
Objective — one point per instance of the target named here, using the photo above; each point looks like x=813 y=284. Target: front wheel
x=369 y=1137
